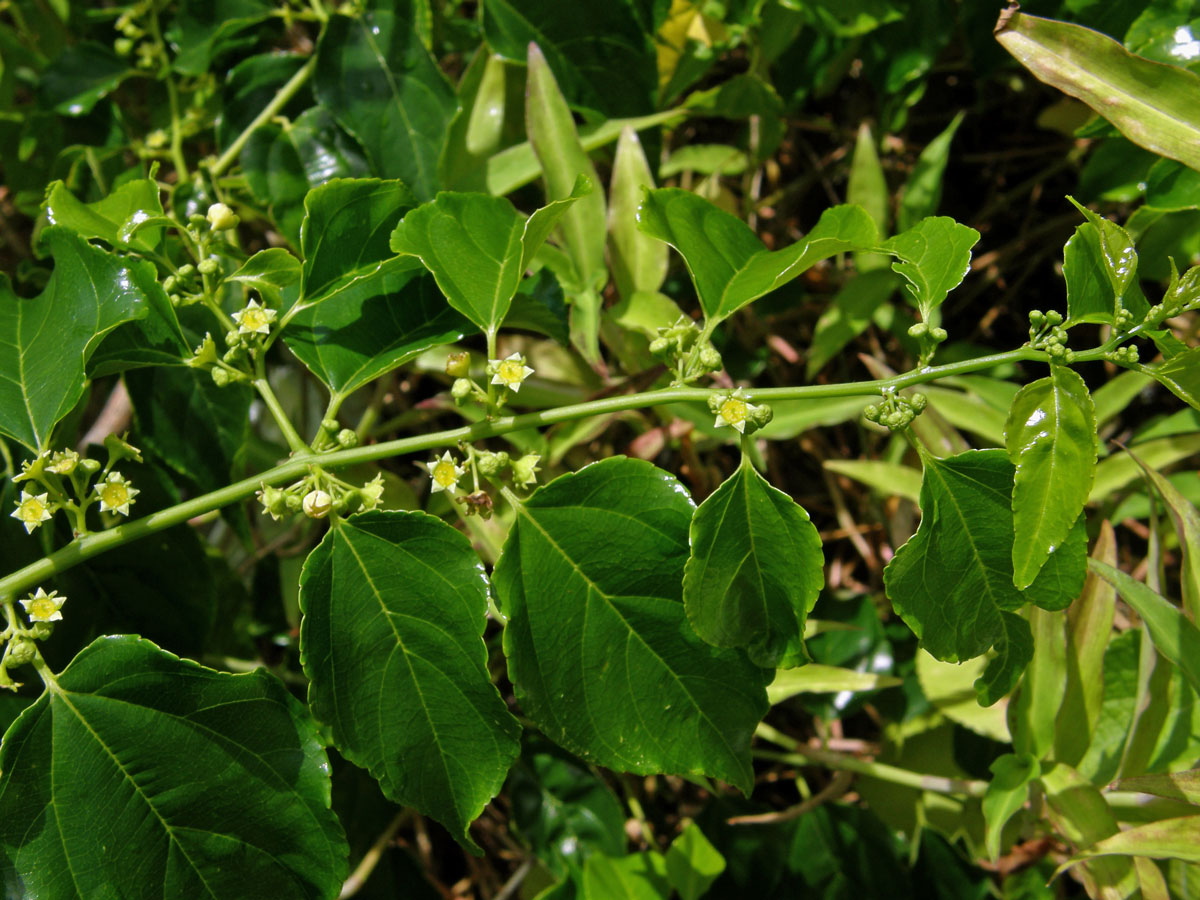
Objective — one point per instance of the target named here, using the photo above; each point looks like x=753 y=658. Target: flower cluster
x=896 y=412
x=42 y=610
x=62 y=480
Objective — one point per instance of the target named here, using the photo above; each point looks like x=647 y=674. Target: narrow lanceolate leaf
x=1186 y=519
x=1175 y=786
x=755 y=570
x=46 y=341
x=1181 y=376
x=597 y=640
x=730 y=267
x=639 y=263
x=1153 y=104
x=952 y=582
x=1177 y=838
x=1006 y=794
x=816 y=678
x=478 y=247
x=923 y=189
x=1173 y=634
x=143 y=775
x=384 y=88
x=394 y=609
x=1051 y=439
x=934 y=257
x=344 y=237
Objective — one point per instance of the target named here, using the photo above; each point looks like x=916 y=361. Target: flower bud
x=918 y=330
x=221 y=217
x=491 y=464
x=89 y=467
x=458 y=364
x=871 y=412
x=350 y=502
x=347 y=438
x=21 y=652
x=185 y=270
x=274 y=501
x=123 y=46
x=208 y=266
x=317 y=504
x=461 y=389
x=918 y=401
x=758 y=417
x=938 y=334
x=660 y=346
x=710 y=358
x=221 y=376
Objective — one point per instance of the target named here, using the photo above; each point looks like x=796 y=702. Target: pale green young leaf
x=850 y=311
x=1089 y=290
x=730 y=267
x=1006 y=793
x=1113 y=249
x=693 y=863
x=889 y=479
x=638 y=876
x=47 y=340
x=950 y=689
x=141 y=772
x=1040 y=695
x=934 y=257
x=816 y=678
x=1183 y=786
x=1177 y=838
x=639 y=263
x=755 y=570
x=1181 y=376
x=394 y=606
x=1174 y=635
x=597 y=639
x=477 y=132
x=867 y=187
x=1152 y=104
x=384 y=88
x=1186 y=519
x=923 y=190
x=1051 y=439
x=268 y=272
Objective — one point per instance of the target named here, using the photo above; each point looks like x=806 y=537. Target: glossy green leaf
x=597 y=639
x=364 y=332
x=1111 y=248
x=1171 y=186
x=1006 y=794
x=638 y=876
x=252 y=84
x=693 y=863
x=109 y=218
x=599 y=53
x=193 y=426
x=1186 y=519
x=376 y=77
x=268 y=272
x=639 y=263
x=1174 y=635
x=1152 y=104
x=952 y=581
x=730 y=267
x=344 y=238
x=923 y=190
x=1181 y=376
x=47 y=339
x=934 y=257
x=1051 y=439
x=755 y=570
x=478 y=248
x=82 y=76
x=394 y=606
x=816 y=678
x=144 y=775
x=204 y=29
x=157 y=339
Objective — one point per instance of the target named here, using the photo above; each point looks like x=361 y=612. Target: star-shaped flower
x=733 y=411
x=510 y=371
x=254 y=319
x=63 y=462
x=116 y=494
x=32 y=510
x=43 y=607
x=445 y=473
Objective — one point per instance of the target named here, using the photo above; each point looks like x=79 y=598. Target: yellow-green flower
x=32 y=510
x=510 y=371
x=445 y=473
x=254 y=319
x=116 y=494
x=43 y=607
x=733 y=411
x=63 y=462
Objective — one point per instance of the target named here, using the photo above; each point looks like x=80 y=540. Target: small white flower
x=32 y=510
x=63 y=462
x=733 y=411
x=43 y=607
x=317 y=504
x=445 y=473
x=254 y=319
x=221 y=217
x=116 y=494
x=510 y=371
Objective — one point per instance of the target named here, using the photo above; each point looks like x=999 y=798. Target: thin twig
x=367 y=864
x=837 y=786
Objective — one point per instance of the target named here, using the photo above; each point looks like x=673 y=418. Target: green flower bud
x=347 y=438
x=169 y=283
x=294 y=502
x=39 y=631
x=918 y=401
x=21 y=652
x=871 y=412
x=185 y=270
x=221 y=218
x=208 y=266
x=349 y=503
x=330 y=425
x=461 y=389
x=710 y=359
x=221 y=376
x=123 y=46
x=918 y=330
x=89 y=467
x=660 y=346
x=491 y=464
x=233 y=338
x=458 y=364
x=938 y=334
x=317 y=504
x=1037 y=317
x=1054 y=317
x=274 y=501
x=525 y=469
x=759 y=416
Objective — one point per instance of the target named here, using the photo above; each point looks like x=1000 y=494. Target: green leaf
x=204 y=29
x=755 y=570
x=730 y=267
x=1186 y=519
x=82 y=76
x=1170 y=186
x=1177 y=838
x=109 y=218
x=539 y=306
x=849 y=313
x=693 y=863
x=394 y=606
x=639 y=263
x=141 y=774
x=366 y=331
x=923 y=190
x=268 y=272
x=478 y=248
x=1181 y=376
x=952 y=581
x=1175 y=786
x=816 y=678
x=1006 y=794
x=1014 y=652
x=889 y=479
x=600 y=54
x=639 y=876
x=376 y=77
x=950 y=689
x=344 y=238
x=1051 y=439
x=1174 y=635
x=252 y=84
x=478 y=131
x=48 y=339
x=1119 y=470
x=935 y=256
x=866 y=187
x=1152 y=104
x=597 y=639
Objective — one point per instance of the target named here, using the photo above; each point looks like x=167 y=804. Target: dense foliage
x=637 y=449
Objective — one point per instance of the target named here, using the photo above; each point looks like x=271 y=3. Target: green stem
x=278 y=102
x=276 y=409
x=86 y=547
